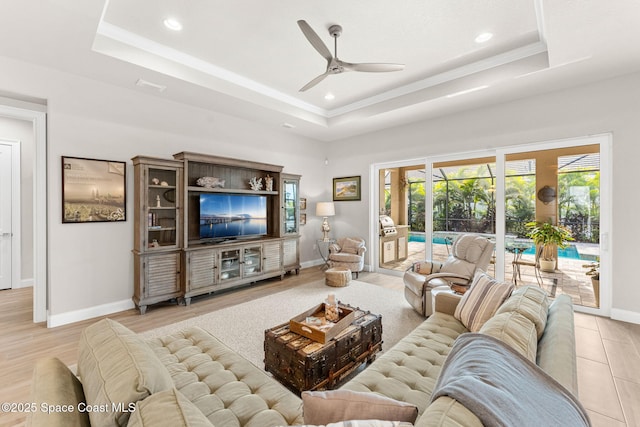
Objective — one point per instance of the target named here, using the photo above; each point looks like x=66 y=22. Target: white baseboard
x=625 y=315
x=24 y=283
x=312 y=263
x=54 y=320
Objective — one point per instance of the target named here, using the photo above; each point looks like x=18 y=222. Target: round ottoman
x=337 y=276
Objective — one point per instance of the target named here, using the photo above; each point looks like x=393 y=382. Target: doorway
x=400 y=204
x=496 y=193
x=10 y=231
x=35 y=116
x=559 y=186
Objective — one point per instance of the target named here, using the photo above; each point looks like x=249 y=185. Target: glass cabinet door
x=252 y=260
x=229 y=265
x=290 y=206
x=162 y=213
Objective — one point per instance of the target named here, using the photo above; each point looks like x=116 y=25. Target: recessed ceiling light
x=483 y=37
x=173 y=24
x=329 y=96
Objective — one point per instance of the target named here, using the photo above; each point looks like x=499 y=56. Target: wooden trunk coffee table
x=303 y=364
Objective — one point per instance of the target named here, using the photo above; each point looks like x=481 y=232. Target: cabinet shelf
x=230 y=190
x=162 y=187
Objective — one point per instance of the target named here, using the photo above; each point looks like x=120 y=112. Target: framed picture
x=303 y=219
x=303 y=204
x=347 y=188
x=93 y=190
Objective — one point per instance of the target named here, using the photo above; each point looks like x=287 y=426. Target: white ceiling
x=249 y=58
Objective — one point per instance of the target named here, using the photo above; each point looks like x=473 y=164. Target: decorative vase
x=595 y=283
x=548 y=265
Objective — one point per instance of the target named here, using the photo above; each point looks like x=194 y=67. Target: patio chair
x=469 y=253
x=519 y=262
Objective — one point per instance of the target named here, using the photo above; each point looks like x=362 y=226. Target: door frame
x=374 y=220
x=16 y=226
x=37 y=116
x=606 y=206
x=605 y=142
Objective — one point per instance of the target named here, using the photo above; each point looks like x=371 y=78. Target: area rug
x=242 y=326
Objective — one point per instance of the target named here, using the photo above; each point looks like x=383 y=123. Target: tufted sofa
x=408 y=372
x=191 y=378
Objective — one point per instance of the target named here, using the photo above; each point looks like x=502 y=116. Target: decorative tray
x=312 y=323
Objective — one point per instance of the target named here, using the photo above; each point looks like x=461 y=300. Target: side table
x=323 y=249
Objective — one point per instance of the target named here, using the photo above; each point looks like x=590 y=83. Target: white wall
x=22 y=130
x=91 y=264
x=608 y=106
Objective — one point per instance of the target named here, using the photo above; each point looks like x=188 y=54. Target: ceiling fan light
x=483 y=37
x=172 y=24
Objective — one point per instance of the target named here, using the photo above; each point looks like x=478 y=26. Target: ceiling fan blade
x=315 y=41
x=315 y=81
x=373 y=68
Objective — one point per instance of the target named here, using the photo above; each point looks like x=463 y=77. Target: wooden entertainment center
x=172 y=259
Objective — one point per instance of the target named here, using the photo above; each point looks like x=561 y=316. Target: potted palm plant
x=550 y=237
x=594 y=272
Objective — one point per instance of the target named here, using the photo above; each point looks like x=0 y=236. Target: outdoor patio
x=570 y=278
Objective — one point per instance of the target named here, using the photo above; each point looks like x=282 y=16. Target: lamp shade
x=325 y=209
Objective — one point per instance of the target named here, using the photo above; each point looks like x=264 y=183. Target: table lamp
x=325 y=210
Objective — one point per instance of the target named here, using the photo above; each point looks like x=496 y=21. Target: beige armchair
x=468 y=254
x=348 y=252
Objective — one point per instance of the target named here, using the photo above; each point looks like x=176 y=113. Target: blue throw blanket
x=503 y=388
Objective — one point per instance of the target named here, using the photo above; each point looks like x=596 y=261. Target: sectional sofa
x=193 y=379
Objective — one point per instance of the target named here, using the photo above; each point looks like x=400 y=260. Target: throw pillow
x=532 y=302
x=168 y=408
x=117 y=367
x=323 y=407
x=363 y=423
x=351 y=246
x=426 y=267
x=481 y=301
x=515 y=330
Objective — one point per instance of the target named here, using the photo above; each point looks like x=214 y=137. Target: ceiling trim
x=121 y=35
x=445 y=77
x=118 y=42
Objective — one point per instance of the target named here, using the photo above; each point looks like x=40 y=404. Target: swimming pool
x=571 y=252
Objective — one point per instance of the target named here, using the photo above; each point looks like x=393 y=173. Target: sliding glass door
x=463 y=201
x=563 y=183
x=560 y=186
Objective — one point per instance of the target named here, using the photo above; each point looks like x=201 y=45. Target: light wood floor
x=608 y=351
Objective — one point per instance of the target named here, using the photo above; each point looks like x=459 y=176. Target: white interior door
x=5 y=215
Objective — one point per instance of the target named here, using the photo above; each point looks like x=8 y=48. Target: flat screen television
x=225 y=216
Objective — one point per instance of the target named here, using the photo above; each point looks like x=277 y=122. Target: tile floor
x=608 y=364
x=608 y=354
x=571 y=278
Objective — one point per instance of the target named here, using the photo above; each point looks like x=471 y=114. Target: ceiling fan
x=334 y=65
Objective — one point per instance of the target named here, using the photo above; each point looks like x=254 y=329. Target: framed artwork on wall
x=303 y=203
x=303 y=219
x=93 y=190
x=347 y=188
